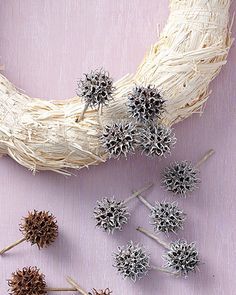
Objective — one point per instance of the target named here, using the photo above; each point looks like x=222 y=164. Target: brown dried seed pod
x=101 y=292
x=39 y=227
x=28 y=281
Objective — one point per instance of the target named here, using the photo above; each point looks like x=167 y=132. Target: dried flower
x=182 y=257
x=39 y=227
x=119 y=139
x=132 y=261
x=180 y=178
x=156 y=140
x=145 y=103
x=96 y=88
x=167 y=217
x=28 y=281
x=101 y=292
x=111 y=214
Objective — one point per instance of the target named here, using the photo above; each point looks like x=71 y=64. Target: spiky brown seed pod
x=40 y=228
x=101 y=292
x=145 y=103
x=28 y=281
x=119 y=139
x=156 y=140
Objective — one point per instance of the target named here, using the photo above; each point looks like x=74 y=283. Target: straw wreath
x=47 y=135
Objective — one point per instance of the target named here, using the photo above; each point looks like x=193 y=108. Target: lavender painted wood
x=46 y=46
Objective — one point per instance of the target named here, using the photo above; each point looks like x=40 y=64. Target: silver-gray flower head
x=132 y=261
x=119 y=139
x=145 y=103
x=167 y=217
x=96 y=88
x=180 y=178
x=110 y=214
x=156 y=140
x=182 y=258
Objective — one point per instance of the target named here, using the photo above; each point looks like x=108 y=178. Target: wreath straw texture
x=43 y=135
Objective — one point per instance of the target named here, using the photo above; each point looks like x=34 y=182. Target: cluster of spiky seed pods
x=145 y=106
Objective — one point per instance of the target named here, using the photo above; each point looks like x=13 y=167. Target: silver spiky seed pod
x=119 y=139
x=182 y=257
x=96 y=88
x=156 y=140
x=110 y=214
x=145 y=103
x=167 y=217
x=132 y=261
x=180 y=178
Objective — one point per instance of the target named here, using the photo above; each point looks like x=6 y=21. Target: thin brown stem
x=145 y=202
x=12 y=246
x=81 y=117
x=137 y=193
x=154 y=237
x=76 y=286
x=61 y=289
x=205 y=158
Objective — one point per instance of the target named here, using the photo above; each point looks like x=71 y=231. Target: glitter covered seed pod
x=132 y=261
x=145 y=104
x=156 y=140
x=165 y=216
x=181 y=257
x=182 y=178
x=111 y=214
x=96 y=89
x=119 y=139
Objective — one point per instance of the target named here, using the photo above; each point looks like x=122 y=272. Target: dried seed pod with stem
x=156 y=140
x=30 y=281
x=133 y=262
x=119 y=139
x=165 y=216
x=96 y=89
x=145 y=104
x=182 y=178
x=111 y=214
x=39 y=227
x=181 y=257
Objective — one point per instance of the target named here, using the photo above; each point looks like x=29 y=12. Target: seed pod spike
x=153 y=237
x=205 y=158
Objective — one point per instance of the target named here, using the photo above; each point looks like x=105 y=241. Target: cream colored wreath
x=43 y=135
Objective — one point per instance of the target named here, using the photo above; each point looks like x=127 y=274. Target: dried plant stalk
x=43 y=135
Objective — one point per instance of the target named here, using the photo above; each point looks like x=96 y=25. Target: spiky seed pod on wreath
x=119 y=139
x=156 y=140
x=145 y=104
x=96 y=89
x=132 y=261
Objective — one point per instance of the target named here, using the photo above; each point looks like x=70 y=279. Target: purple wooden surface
x=46 y=46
